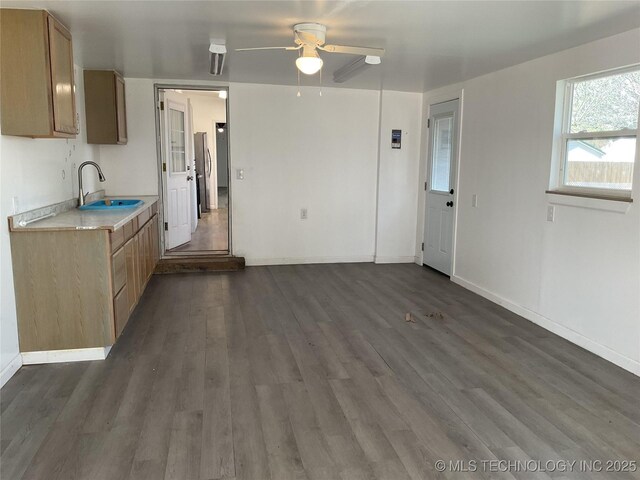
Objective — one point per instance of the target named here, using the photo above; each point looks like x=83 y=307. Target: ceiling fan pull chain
x=298 y=83
x=320 y=82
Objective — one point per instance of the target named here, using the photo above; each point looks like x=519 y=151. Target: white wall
x=397 y=174
x=132 y=169
x=312 y=152
x=38 y=172
x=578 y=276
x=320 y=153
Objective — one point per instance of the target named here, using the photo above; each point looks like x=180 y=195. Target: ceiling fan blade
x=376 y=52
x=267 y=48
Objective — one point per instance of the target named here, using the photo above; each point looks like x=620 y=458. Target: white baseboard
x=254 y=262
x=383 y=259
x=10 y=370
x=61 y=356
x=603 y=351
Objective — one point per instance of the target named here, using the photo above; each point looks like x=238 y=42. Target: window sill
x=593 y=202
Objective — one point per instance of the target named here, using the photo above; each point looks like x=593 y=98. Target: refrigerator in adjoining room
x=203 y=171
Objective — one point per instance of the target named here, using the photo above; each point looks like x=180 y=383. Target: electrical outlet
x=239 y=174
x=303 y=213
x=474 y=200
x=551 y=213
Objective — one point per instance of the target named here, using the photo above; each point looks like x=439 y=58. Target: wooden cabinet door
x=131 y=254
x=149 y=257
x=119 y=270
x=155 y=244
x=142 y=265
x=121 y=111
x=121 y=310
x=63 y=96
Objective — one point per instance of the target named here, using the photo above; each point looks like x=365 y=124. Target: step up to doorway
x=187 y=264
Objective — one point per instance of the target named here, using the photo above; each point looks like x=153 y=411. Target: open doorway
x=193 y=152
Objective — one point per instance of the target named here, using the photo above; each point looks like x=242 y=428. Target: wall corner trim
x=11 y=369
x=602 y=351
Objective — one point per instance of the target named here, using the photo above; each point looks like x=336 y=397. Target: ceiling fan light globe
x=309 y=65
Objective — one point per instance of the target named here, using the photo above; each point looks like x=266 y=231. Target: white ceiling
x=428 y=43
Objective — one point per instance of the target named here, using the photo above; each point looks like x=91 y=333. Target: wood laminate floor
x=212 y=233
x=312 y=372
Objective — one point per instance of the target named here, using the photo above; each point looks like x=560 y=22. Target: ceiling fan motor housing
x=311 y=34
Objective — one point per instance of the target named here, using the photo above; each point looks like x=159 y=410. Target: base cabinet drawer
x=117 y=239
x=121 y=310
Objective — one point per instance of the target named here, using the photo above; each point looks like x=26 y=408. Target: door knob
x=449 y=204
x=189 y=178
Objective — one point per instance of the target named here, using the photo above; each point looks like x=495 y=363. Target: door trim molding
x=430 y=101
x=156 y=99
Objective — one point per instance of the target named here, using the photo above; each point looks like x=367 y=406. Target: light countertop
x=75 y=219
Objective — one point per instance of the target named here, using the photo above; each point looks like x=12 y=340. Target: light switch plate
x=551 y=213
x=303 y=214
x=474 y=200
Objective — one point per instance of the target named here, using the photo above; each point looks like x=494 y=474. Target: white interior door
x=178 y=177
x=441 y=181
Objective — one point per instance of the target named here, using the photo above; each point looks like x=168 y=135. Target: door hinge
x=164 y=166
x=428 y=123
x=422 y=247
x=161 y=105
x=425 y=186
x=166 y=226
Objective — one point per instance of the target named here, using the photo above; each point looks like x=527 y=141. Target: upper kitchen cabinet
x=37 y=93
x=105 y=107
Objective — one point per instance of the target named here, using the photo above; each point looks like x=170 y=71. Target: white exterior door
x=177 y=176
x=441 y=181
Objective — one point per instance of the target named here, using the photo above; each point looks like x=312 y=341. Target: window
x=441 y=161
x=599 y=133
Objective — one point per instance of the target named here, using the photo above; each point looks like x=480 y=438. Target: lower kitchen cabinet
x=76 y=289
x=138 y=270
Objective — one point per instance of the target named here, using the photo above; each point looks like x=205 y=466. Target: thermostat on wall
x=396 y=138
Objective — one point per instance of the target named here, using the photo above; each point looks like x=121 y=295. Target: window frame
x=564 y=135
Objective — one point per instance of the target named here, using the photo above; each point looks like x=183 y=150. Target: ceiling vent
x=217 y=52
x=353 y=68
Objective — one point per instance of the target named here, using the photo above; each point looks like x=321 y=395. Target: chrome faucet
x=81 y=193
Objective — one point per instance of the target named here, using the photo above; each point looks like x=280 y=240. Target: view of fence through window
x=603 y=126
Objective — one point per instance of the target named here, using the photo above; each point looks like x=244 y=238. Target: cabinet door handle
x=449 y=204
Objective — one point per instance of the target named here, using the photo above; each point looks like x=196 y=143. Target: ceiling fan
x=311 y=37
